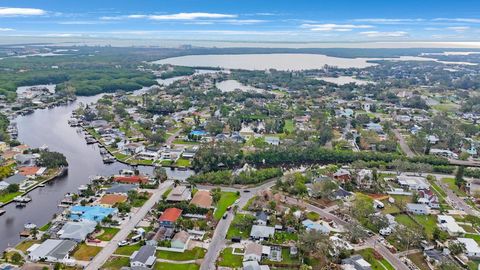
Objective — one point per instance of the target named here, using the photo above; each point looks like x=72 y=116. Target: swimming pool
x=94 y=213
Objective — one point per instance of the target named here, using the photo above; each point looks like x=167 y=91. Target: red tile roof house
x=134 y=179
x=169 y=217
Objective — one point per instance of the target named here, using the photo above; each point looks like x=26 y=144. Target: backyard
x=228 y=259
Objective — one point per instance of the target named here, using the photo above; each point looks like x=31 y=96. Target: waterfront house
x=77 y=231
x=120 y=188
x=25 y=159
x=109 y=200
x=203 y=199
x=94 y=213
x=169 y=217
x=16 y=179
x=179 y=193
x=52 y=250
x=31 y=171
x=145 y=257
x=131 y=179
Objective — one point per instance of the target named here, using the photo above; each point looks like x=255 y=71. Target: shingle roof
x=170 y=214
x=144 y=254
x=202 y=198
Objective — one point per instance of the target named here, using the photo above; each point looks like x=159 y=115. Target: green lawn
x=382 y=264
x=183 y=162
x=228 y=259
x=115 y=263
x=283 y=237
x=475 y=237
x=24 y=245
x=45 y=227
x=108 y=233
x=127 y=250
x=437 y=188
x=289 y=126
x=313 y=216
x=86 y=253
x=451 y=184
x=227 y=199
x=195 y=253
x=173 y=266
x=233 y=231
x=428 y=222
x=7 y=197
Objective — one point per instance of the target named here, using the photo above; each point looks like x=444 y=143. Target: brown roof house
x=202 y=198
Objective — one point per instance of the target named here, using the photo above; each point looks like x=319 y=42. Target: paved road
x=127 y=227
x=372 y=242
x=218 y=240
x=469 y=163
x=172 y=137
x=403 y=144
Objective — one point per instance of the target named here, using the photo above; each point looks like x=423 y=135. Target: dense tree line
x=226 y=177
x=52 y=159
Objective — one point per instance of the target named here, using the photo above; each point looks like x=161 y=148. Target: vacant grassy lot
x=427 y=222
x=234 y=231
x=173 y=266
x=127 y=250
x=289 y=126
x=108 y=233
x=116 y=263
x=195 y=253
x=86 y=253
x=227 y=199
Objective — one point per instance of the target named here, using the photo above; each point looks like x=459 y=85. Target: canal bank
x=50 y=127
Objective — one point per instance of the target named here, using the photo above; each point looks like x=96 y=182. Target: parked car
x=123 y=243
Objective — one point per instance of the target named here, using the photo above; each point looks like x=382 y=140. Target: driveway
x=218 y=240
x=127 y=227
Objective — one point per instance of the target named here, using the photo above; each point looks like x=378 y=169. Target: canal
x=49 y=127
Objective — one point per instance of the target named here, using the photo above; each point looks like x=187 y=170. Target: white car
x=123 y=243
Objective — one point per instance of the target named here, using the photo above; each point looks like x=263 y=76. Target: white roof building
x=448 y=224
x=52 y=250
x=471 y=247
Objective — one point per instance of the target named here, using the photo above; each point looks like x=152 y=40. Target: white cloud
x=330 y=27
x=63 y=35
x=6 y=29
x=384 y=34
x=458 y=28
x=466 y=20
x=388 y=20
x=173 y=17
x=10 y=12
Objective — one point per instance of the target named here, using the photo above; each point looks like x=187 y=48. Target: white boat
x=83 y=187
x=29 y=226
x=22 y=199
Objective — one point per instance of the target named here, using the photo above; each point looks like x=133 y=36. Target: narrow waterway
x=49 y=127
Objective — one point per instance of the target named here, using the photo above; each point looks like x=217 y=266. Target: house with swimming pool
x=94 y=213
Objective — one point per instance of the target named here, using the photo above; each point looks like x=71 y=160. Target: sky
x=245 y=20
